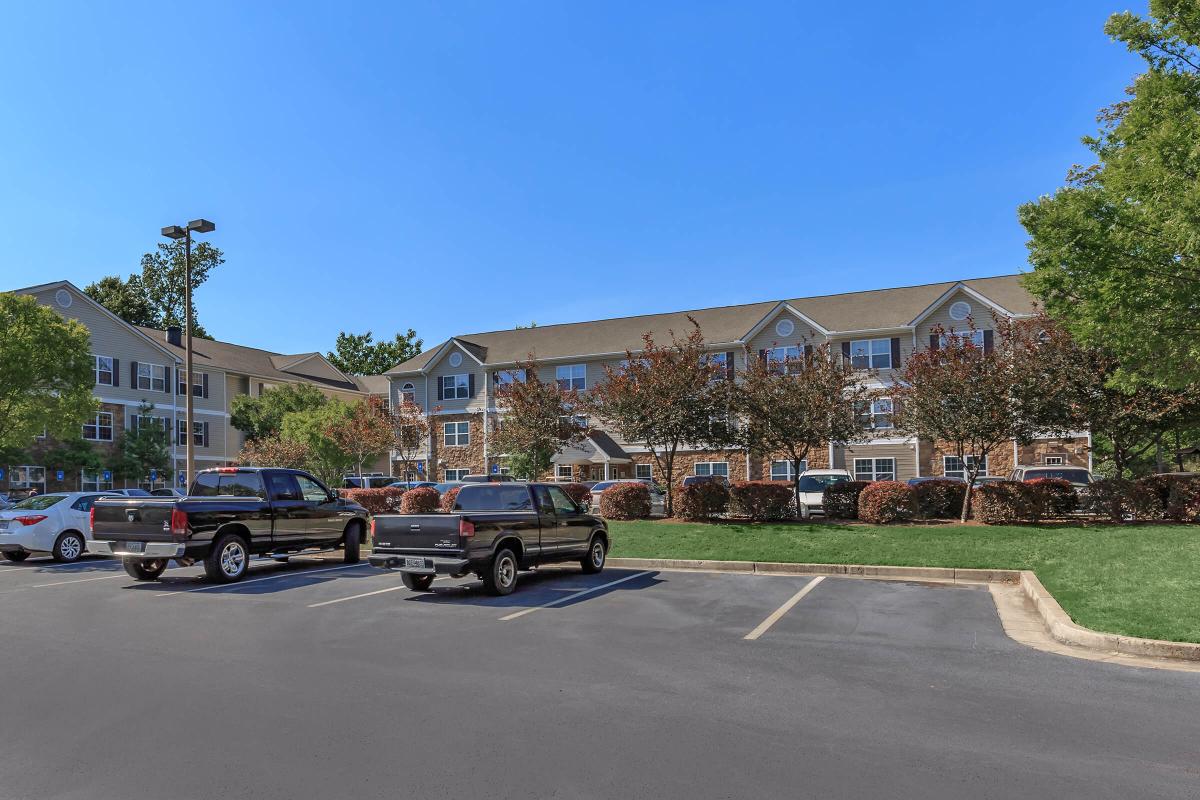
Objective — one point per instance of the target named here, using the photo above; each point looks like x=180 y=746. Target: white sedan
x=812 y=489
x=54 y=523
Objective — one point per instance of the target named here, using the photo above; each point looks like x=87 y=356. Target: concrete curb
x=1058 y=623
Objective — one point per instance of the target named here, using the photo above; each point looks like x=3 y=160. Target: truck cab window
x=545 y=504
x=312 y=491
x=563 y=504
x=284 y=487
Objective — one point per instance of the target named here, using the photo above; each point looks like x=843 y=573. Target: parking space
x=315 y=678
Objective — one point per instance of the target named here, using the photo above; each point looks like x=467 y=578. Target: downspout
x=487 y=400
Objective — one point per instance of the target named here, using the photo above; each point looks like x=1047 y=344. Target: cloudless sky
x=459 y=167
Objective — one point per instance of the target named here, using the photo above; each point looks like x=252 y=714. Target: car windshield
x=600 y=487
x=447 y=486
x=39 y=502
x=1072 y=475
x=817 y=483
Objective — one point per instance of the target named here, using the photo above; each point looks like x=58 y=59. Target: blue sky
x=459 y=167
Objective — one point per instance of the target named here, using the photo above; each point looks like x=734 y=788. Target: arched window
x=408 y=393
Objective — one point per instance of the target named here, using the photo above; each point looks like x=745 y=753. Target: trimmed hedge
x=840 y=500
x=882 y=502
x=421 y=500
x=940 y=499
x=1051 y=497
x=762 y=500
x=1119 y=499
x=578 y=492
x=625 y=501
x=702 y=501
x=1000 y=503
x=1183 y=500
x=447 y=501
x=376 y=501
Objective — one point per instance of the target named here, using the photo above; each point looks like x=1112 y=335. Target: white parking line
x=51 y=566
x=288 y=574
x=77 y=580
x=367 y=594
x=778 y=613
x=571 y=597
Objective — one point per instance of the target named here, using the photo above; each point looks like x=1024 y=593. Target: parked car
x=446 y=486
x=496 y=478
x=228 y=515
x=694 y=479
x=167 y=492
x=982 y=479
x=1078 y=476
x=54 y=523
x=658 y=500
x=494 y=531
x=366 y=481
x=127 y=493
x=813 y=483
x=5 y=503
x=406 y=485
x=926 y=478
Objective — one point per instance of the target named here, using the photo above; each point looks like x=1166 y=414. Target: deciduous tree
x=72 y=455
x=142 y=449
x=46 y=372
x=669 y=396
x=262 y=417
x=539 y=418
x=797 y=406
x=327 y=457
x=365 y=434
x=275 y=451
x=359 y=354
x=1116 y=252
x=410 y=434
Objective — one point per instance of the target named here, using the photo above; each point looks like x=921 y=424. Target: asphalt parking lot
x=316 y=680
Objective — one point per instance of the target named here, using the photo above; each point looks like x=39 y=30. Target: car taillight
x=466 y=527
x=179 y=524
x=372 y=529
x=32 y=519
x=92 y=519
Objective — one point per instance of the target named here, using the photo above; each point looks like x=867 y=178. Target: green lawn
x=1134 y=580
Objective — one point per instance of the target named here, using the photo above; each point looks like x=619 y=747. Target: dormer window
x=455 y=387
x=871 y=354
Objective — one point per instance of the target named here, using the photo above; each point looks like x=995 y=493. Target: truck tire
x=144 y=569
x=228 y=560
x=597 y=553
x=68 y=547
x=418 y=583
x=500 y=578
x=16 y=555
x=353 y=544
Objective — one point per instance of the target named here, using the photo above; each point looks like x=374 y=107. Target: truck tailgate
x=133 y=519
x=424 y=534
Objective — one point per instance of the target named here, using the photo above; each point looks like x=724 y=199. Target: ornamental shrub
x=376 y=501
x=447 y=502
x=421 y=500
x=1050 y=497
x=761 y=500
x=700 y=501
x=1119 y=499
x=1183 y=500
x=887 y=501
x=840 y=500
x=625 y=501
x=578 y=492
x=1000 y=503
x=940 y=499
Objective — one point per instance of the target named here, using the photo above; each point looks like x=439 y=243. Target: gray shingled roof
x=853 y=311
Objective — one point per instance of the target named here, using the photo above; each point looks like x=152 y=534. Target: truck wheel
x=68 y=547
x=593 y=562
x=353 y=544
x=16 y=555
x=501 y=577
x=227 y=561
x=144 y=569
x=418 y=583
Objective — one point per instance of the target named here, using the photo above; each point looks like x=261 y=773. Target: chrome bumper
x=119 y=550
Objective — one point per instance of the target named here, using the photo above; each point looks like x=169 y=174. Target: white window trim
x=112 y=372
x=1058 y=461
x=787 y=470
x=559 y=477
x=408 y=393
x=961 y=473
x=461 y=437
x=871 y=355
x=465 y=388
x=96 y=485
x=710 y=464
x=875 y=472
x=873 y=413
x=648 y=467
x=457 y=473
x=570 y=379
x=96 y=424
x=150 y=378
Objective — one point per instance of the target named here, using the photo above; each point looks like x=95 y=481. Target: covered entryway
x=598 y=455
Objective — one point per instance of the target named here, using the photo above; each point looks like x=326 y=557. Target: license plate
x=415 y=563
x=3 y=524
x=135 y=547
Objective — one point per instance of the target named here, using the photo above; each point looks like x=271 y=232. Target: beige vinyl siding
x=768 y=338
x=113 y=338
x=904 y=453
x=420 y=387
x=981 y=315
x=906 y=349
x=468 y=366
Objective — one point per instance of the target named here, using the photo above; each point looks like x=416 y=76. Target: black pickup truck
x=494 y=530
x=229 y=514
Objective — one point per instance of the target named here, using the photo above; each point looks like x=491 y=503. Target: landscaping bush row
x=376 y=501
x=1155 y=497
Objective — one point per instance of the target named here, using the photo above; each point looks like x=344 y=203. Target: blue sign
x=59 y=475
x=420 y=468
x=107 y=475
x=1 y=474
x=182 y=479
x=495 y=469
x=153 y=475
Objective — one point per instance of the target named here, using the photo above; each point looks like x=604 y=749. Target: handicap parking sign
x=495 y=469
x=107 y=475
x=153 y=475
x=1 y=474
x=182 y=479
x=59 y=475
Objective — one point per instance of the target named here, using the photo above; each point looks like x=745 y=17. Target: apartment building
x=455 y=382
x=136 y=366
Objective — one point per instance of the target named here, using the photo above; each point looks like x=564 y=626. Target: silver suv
x=1078 y=476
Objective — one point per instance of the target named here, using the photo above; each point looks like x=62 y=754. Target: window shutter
x=730 y=369
x=762 y=356
x=808 y=350
x=933 y=341
x=470 y=384
x=116 y=373
x=895 y=352
x=133 y=375
x=846 y=351
x=988 y=343
x=441 y=389
x=205 y=377
x=204 y=437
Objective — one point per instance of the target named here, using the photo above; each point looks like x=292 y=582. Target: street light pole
x=185 y=233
